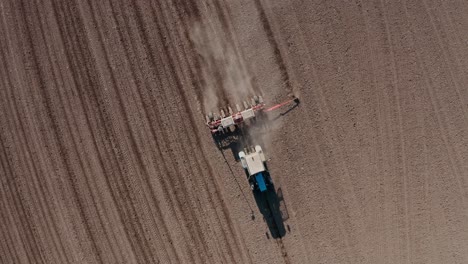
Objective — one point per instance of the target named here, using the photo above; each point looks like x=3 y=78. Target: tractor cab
x=253 y=162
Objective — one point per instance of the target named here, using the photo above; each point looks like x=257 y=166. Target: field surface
x=105 y=156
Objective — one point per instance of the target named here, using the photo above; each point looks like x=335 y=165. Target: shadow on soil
x=232 y=141
x=273 y=208
x=286 y=112
x=270 y=203
x=238 y=139
x=249 y=134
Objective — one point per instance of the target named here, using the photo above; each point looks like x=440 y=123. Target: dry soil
x=105 y=157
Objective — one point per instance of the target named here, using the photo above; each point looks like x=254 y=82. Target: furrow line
x=162 y=102
x=187 y=60
x=143 y=244
x=274 y=44
x=64 y=101
x=91 y=101
x=178 y=82
x=434 y=106
x=186 y=109
x=30 y=239
x=183 y=79
x=447 y=64
x=7 y=227
x=131 y=51
x=156 y=126
x=46 y=96
x=83 y=160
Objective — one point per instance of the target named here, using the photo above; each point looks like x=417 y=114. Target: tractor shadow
x=231 y=141
x=239 y=139
x=248 y=134
x=273 y=208
x=291 y=108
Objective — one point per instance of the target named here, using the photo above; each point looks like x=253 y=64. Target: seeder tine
x=256 y=101
x=223 y=115
x=230 y=110
x=246 y=106
x=260 y=99
x=252 y=101
x=238 y=108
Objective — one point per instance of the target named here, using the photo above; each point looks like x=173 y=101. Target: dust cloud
x=226 y=78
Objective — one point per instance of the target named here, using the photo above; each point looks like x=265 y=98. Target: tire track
x=153 y=61
x=332 y=155
x=375 y=43
x=222 y=10
x=30 y=240
x=446 y=61
x=142 y=242
x=178 y=110
x=168 y=52
x=42 y=190
x=218 y=52
x=453 y=25
x=394 y=80
x=93 y=102
x=83 y=164
x=434 y=104
x=23 y=212
x=105 y=156
x=140 y=96
x=190 y=8
x=196 y=146
x=56 y=130
x=66 y=128
x=442 y=128
x=400 y=136
x=157 y=130
x=139 y=155
x=274 y=44
x=7 y=83
x=415 y=203
x=76 y=81
x=6 y=241
x=110 y=241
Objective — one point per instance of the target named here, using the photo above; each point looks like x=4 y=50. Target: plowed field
x=105 y=156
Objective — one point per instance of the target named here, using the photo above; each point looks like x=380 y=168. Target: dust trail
x=227 y=80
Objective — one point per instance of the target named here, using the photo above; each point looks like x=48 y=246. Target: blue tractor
x=253 y=162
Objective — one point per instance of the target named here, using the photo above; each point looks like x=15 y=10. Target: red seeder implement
x=224 y=122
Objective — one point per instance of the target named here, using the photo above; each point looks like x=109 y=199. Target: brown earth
x=105 y=157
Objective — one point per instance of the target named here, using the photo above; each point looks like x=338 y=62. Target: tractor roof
x=254 y=163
